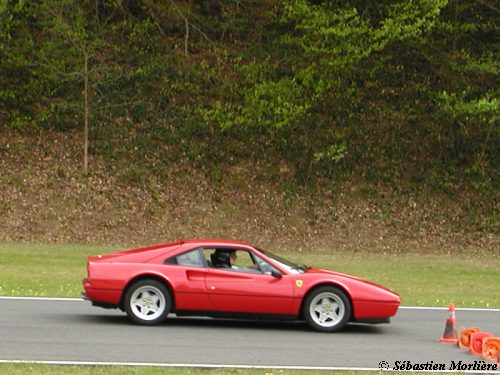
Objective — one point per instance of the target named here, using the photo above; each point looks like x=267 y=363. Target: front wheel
x=147 y=302
x=327 y=309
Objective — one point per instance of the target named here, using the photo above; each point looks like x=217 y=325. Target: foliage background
x=335 y=113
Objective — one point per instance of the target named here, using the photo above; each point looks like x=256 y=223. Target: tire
x=147 y=302
x=327 y=309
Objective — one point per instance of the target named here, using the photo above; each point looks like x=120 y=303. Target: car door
x=243 y=290
x=187 y=273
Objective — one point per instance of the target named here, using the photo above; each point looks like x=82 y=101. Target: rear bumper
x=106 y=305
x=108 y=298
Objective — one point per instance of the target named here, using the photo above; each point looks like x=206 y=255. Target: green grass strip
x=42 y=369
x=468 y=280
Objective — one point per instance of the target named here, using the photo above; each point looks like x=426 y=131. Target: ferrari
x=231 y=279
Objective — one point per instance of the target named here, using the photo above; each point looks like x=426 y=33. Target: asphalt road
x=73 y=331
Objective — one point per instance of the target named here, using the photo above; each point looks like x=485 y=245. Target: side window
x=190 y=258
x=238 y=260
x=243 y=260
x=209 y=255
x=265 y=267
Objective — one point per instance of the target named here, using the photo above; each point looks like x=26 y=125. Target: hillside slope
x=44 y=197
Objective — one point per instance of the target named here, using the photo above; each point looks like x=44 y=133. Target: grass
x=468 y=280
x=28 y=269
x=41 y=369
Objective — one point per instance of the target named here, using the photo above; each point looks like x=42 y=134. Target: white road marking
x=42 y=298
x=185 y=365
x=446 y=308
x=215 y=366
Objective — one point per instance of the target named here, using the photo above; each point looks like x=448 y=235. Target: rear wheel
x=147 y=302
x=327 y=309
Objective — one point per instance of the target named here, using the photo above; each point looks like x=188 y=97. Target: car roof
x=216 y=242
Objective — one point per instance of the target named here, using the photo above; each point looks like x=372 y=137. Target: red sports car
x=219 y=278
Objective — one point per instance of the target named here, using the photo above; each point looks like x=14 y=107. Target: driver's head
x=224 y=258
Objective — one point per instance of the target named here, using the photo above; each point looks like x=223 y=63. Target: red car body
x=269 y=288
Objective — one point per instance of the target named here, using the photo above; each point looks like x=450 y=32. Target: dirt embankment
x=45 y=197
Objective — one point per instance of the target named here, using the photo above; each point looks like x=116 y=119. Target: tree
x=18 y=74
x=69 y=46
x=306 y=83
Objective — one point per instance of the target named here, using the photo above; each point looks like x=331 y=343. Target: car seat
x=220 y=259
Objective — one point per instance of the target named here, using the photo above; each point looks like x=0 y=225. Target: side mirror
x=276 y=273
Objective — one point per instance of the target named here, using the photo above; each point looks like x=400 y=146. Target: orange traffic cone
x=450 y=332
x=464 y=336
x=476 y=342
x=491 y=349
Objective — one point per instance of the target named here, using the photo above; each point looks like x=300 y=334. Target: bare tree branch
x=488 y=5
x=186 y=38
x=187 y=24
x=86 y=115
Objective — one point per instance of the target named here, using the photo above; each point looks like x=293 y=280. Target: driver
x=224 y=258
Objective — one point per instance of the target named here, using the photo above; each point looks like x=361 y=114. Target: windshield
x=291 y=267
